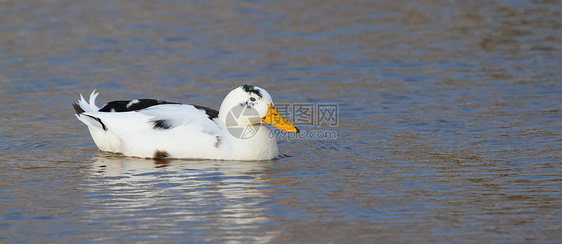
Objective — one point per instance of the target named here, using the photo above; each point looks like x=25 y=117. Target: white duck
x=158 y=129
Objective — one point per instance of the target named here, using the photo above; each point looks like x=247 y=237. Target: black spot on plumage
x=252 y=89
x=211 y=113
x=161 y=125
x=218 y=142
x=132 y=105
x=160 y=154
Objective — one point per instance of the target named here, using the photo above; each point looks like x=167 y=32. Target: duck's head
x=251 y=105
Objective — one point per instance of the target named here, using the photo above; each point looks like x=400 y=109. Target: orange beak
x=274 y=118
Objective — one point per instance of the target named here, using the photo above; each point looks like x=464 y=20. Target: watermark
x=327 y=114
x=311 y=114
x=242 y=122
x=304 y=135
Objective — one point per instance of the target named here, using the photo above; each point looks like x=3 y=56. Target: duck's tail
x=88 y=112
x=82 y=108
x=85 y=106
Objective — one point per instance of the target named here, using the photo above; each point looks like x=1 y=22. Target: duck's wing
x=120 y=117
x=170 y=116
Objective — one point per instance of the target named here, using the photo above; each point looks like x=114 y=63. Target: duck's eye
x=253 y=99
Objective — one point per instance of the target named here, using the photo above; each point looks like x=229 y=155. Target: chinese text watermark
x=318 y=115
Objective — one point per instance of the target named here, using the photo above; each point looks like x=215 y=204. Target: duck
x=157 y=129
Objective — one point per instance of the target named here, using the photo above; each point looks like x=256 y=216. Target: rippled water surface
x=449 y=120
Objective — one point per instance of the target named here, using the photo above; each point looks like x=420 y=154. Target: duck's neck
x=251 y=142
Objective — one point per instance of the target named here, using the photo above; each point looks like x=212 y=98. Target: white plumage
x=151 y=128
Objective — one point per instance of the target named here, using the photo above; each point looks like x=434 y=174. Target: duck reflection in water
x=222 y=195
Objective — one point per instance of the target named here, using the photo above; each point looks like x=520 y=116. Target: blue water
x=448 y=121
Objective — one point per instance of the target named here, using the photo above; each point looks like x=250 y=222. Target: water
x=449 y=121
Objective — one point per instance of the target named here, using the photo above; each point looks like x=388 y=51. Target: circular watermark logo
x=242 y=121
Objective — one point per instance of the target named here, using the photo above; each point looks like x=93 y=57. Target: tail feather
x=88 y=106
x=77 y=108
